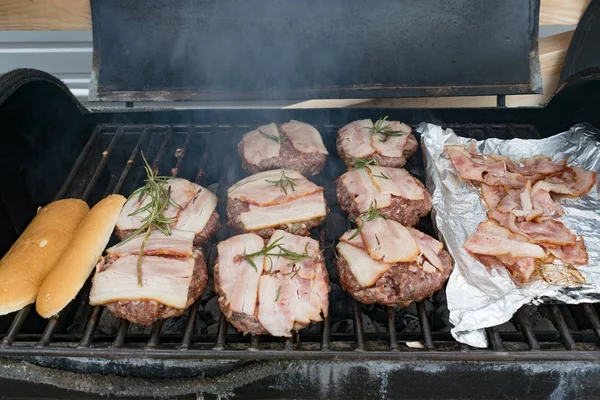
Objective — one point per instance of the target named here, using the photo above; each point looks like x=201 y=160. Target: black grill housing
x=57 y=149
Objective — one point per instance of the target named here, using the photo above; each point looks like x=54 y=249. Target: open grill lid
x=306 y=49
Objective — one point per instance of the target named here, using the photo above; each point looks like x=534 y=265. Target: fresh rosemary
x=272 y=137
x=284 y=182
x=367 y=216
x=278 y=293
x=357 y=163
x=384 y=175
x=160 y=198
x=276 y=249
x=384 y=129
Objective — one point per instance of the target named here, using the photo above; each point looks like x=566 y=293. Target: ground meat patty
x=396 y=162
x=236 y=207
x=289 y=158
x=145 y=312
x=401 y=285
x=209 y=230
x=402 y=210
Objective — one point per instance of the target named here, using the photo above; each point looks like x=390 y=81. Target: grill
x=206 y=153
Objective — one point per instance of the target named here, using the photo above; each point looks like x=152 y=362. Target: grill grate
x=110 y=163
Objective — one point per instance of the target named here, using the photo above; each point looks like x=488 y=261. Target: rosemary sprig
x=263 y=252
x=284 y=182
x=367 y=216
x=160 y=198
x=276 y=249
x=384 y=129
x=278 y=293
x=384 y=175
x=272 y=137
x=357 y=163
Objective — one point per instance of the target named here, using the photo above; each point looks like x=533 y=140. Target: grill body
x=62 y=151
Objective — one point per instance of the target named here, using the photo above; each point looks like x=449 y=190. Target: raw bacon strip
x=182 y=192
x=395 y=181
x=237 y=277
x=165 y=280
x=573 y=181
x=571 y=254
x=525 y=196
x=274 y=309
x=492 y=195
x=391 y=146
x=429 y=247
x=507 y=220
x=520 y=268
x=363 y=267
x=257 y=191
x=356 y=139
x=509 y=179
x=195 y=215
x=304 y=137
x=540 y=164
x=360 y=185
x=490 y=245
x=510 y=202
x=178 y=244
x=542 y=201
x=388 y=241
x=548 y=230
x=258 y=147
x=352 y=238
x=301 y=209
x=296 y=244
x=468 y=168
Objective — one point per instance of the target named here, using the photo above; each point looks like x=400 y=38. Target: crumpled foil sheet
x=477 y=297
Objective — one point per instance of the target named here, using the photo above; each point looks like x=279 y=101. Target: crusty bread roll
x=78 y=260
x=32 y=256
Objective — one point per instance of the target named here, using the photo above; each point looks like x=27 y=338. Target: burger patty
x=289 y=158
x=235 y=207
x=145 y=312
x=396 y=162
x=401 y=285
x=212 y=225
x=402 y=210
x=245 y=323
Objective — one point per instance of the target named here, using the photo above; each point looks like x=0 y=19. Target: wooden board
x=75 y=14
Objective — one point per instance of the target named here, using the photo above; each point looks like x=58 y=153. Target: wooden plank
x=45 y=15
x=562 y=12
x=75 y=14
x=553 y=50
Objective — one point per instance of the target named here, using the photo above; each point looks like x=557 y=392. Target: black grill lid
x=302 y=49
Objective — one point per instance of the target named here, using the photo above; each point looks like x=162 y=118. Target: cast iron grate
x=110 y=162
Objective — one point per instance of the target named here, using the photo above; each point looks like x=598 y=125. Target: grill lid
x=304 y=49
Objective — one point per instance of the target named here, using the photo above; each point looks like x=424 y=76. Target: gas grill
x=54 y=148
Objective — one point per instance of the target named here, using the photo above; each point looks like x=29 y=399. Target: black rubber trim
x=11 y=81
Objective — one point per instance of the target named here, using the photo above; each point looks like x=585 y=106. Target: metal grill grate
x=206 y=154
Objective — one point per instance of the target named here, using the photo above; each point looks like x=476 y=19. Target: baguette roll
x=78 y=260
x=32 y=256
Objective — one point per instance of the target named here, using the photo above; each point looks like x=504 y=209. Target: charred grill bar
x=110 y=163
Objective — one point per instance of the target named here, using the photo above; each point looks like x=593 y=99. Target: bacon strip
x=356 y=139
x=258 y=147
x=486 y=244
x=388 y=241
x=304 y=137
x=259 y=189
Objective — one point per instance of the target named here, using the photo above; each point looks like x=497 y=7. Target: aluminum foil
x=478 y=297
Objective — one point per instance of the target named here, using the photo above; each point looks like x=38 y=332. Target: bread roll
x=78 y=260
x=32 y=256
